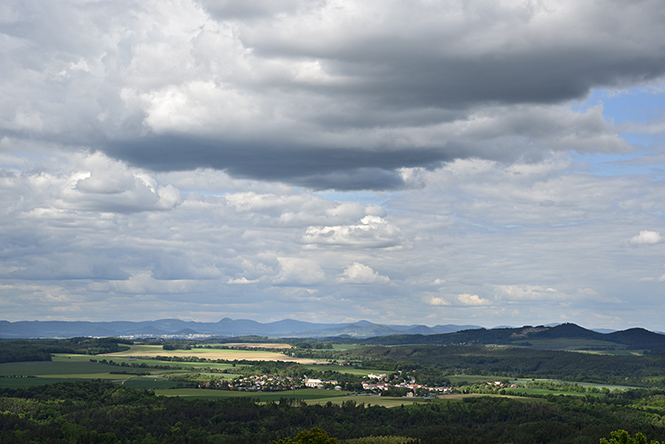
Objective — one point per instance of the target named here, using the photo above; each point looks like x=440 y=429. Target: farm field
x=59 y=369
x=28 y=374
x=151 y=351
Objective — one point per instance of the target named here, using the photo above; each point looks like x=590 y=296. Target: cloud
x=236 y=247
x=298 y=271
x=358 y=273
x=242 y=281
x=226 y=9
x=472 y=299
x=525 y=292
x=646 y=238
x=325 y=95
x=372 y=231
x=436 y=300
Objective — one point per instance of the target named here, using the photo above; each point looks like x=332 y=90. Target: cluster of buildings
x=372 y=383
x=270 y=383
x=379 y=383
x=259 y=383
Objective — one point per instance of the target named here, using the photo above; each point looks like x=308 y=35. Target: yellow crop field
x=152 y=351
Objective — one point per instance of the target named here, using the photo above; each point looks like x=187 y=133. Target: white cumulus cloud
x=358 y=273
x=646 y=238
x=471 y=299
x=372 y=231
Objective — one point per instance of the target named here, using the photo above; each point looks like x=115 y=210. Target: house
x=313 y=383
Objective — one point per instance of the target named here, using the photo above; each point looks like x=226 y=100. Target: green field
x=342 y=347
x=151 y=383
x=28 y=374
x=14 y=383
x=60 y=369
x=472 y=379
x=540 y=391
x=304 y=394
x=524 y=381
x=310 y=396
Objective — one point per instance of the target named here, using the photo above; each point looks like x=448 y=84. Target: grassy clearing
x=472 y=379
x=343 y=347
x=304 y=394
x=454 y=397
x=150 y=383
x=524 y=381
x=539 y=391
x=386 y=401
x=310 y=396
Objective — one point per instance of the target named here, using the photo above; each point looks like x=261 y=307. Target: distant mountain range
x=226 y=327
x=562 y=337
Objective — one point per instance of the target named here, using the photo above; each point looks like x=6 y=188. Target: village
x=380 y=384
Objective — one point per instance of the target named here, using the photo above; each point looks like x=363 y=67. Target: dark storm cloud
x=342 y=169
x=247 y=9
x=326 y=94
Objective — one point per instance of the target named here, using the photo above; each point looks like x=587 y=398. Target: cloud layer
x=416 y=162
x=328 y=94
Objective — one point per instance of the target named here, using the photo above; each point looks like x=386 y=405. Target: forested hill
x=562 y=337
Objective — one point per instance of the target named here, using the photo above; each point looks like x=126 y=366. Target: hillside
x=560 y=337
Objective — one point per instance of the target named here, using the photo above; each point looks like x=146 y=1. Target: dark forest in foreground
x=551 y=411
x=97 y=412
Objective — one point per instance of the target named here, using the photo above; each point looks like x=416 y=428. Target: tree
x=623 y=437
x=314 y=436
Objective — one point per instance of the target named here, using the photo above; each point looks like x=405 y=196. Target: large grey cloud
x=325 y=94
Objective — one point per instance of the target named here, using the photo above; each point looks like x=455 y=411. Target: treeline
x=41 y=349
x=313 y=345
x=176 y=346
x=100 y=412
x=516 y=363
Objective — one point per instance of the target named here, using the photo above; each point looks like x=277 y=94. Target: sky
x=484 y=162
